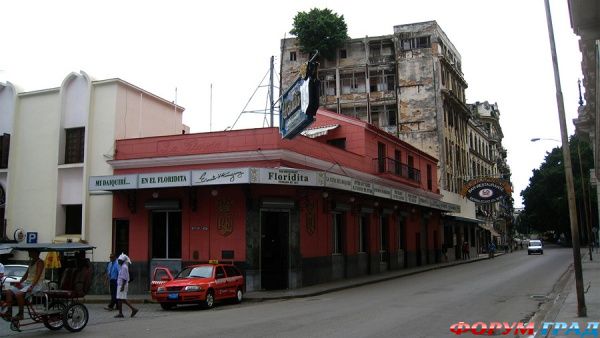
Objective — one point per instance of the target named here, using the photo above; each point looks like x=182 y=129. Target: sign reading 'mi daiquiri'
x=486 y=190
x=299 y=104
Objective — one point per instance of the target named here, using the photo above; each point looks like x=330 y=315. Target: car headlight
x=161 y=289
x=192 y=288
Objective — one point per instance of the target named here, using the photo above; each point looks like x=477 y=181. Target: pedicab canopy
x=6 y=248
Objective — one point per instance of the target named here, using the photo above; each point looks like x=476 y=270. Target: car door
x=160 y=276
x=233 y=279
x=221 y=283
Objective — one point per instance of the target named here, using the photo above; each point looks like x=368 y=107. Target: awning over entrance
x=490 y=229
x=318 y=131
x=463 y=219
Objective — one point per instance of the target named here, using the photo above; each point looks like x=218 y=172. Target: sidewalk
x=315 y=290
x=564 y=308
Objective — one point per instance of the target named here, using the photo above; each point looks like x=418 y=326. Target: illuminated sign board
x=299 y=105
x=486 y=190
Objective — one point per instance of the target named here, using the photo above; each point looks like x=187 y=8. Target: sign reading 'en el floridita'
x=486 y=190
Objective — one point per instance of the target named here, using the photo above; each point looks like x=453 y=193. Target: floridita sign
x=280 y=176
x=486 y=190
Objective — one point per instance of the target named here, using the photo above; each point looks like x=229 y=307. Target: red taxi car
x=197 y=284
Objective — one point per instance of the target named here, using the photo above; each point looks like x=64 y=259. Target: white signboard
x=164 y=180
x=221 y=176
x=382 y=191
x=362 y=187
x=338 y=182
x=289 y=177
x=398 y=195
x=116 y=182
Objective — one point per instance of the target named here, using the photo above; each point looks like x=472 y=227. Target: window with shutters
x=74 y=145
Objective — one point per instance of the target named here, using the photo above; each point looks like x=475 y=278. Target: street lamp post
x=581 y=309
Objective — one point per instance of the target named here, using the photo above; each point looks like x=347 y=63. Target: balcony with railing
x=391 y=166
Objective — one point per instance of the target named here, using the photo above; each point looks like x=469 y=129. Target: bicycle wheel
x=75 y=317
x=53 y=319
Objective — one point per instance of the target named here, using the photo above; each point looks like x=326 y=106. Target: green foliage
x=545 y=199
x=320 y=29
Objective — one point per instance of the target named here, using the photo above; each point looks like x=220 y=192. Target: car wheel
x=167 y=306
x=529 y=253
x=209 y=302
x=239 y=295
x=541 y=252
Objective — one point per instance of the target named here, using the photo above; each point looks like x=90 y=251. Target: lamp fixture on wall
x=214 y=192
x=155 y=194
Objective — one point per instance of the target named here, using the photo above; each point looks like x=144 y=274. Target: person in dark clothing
x=112 y=273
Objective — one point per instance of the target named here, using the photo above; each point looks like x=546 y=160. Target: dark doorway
x=274 y=249
x=166 y=234
x=121 y=231
x=384 y=244
x=418 y=251
x=403 y=234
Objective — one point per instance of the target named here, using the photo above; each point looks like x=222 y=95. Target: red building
x=345 y=200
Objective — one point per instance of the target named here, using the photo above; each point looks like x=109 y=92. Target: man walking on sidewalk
x=112 y=273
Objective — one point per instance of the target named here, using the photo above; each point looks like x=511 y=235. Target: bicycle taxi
x=59 y=305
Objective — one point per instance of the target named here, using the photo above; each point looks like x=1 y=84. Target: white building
x=54 y=139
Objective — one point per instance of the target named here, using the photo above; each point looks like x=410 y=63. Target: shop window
x=338 y=225
x=73 y=219
x=4 y=147
x=74 y=145
x=166 y=234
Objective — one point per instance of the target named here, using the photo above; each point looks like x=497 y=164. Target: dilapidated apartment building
x=410 y=84
x=487 y=158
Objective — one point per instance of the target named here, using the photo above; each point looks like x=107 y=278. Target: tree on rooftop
x=320 y=29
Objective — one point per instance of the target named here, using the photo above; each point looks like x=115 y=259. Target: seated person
x=32 y=281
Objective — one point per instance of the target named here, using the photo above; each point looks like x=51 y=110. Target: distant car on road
x=197 y=284
x=535 y=246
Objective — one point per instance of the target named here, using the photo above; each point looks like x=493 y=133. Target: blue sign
x=299 y=105
x=32 y=237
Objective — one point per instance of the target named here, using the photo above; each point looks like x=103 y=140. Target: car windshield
x=196 y=272
x=535 y=243
x=14 y=271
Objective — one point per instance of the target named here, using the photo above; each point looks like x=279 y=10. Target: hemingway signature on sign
x=232 y=176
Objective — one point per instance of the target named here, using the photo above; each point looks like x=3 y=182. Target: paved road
x=506 y=288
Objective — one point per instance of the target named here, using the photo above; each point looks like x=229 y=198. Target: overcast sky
x=189 y=45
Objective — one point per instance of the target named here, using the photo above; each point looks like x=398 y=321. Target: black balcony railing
x=391 y=166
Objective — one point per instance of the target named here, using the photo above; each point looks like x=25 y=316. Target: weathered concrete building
x=487 y=158
x=410 y=84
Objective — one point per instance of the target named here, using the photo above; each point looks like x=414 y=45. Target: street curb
x=382 y=279
x=146 y=299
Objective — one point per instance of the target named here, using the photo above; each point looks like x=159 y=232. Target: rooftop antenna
x=272 y=100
